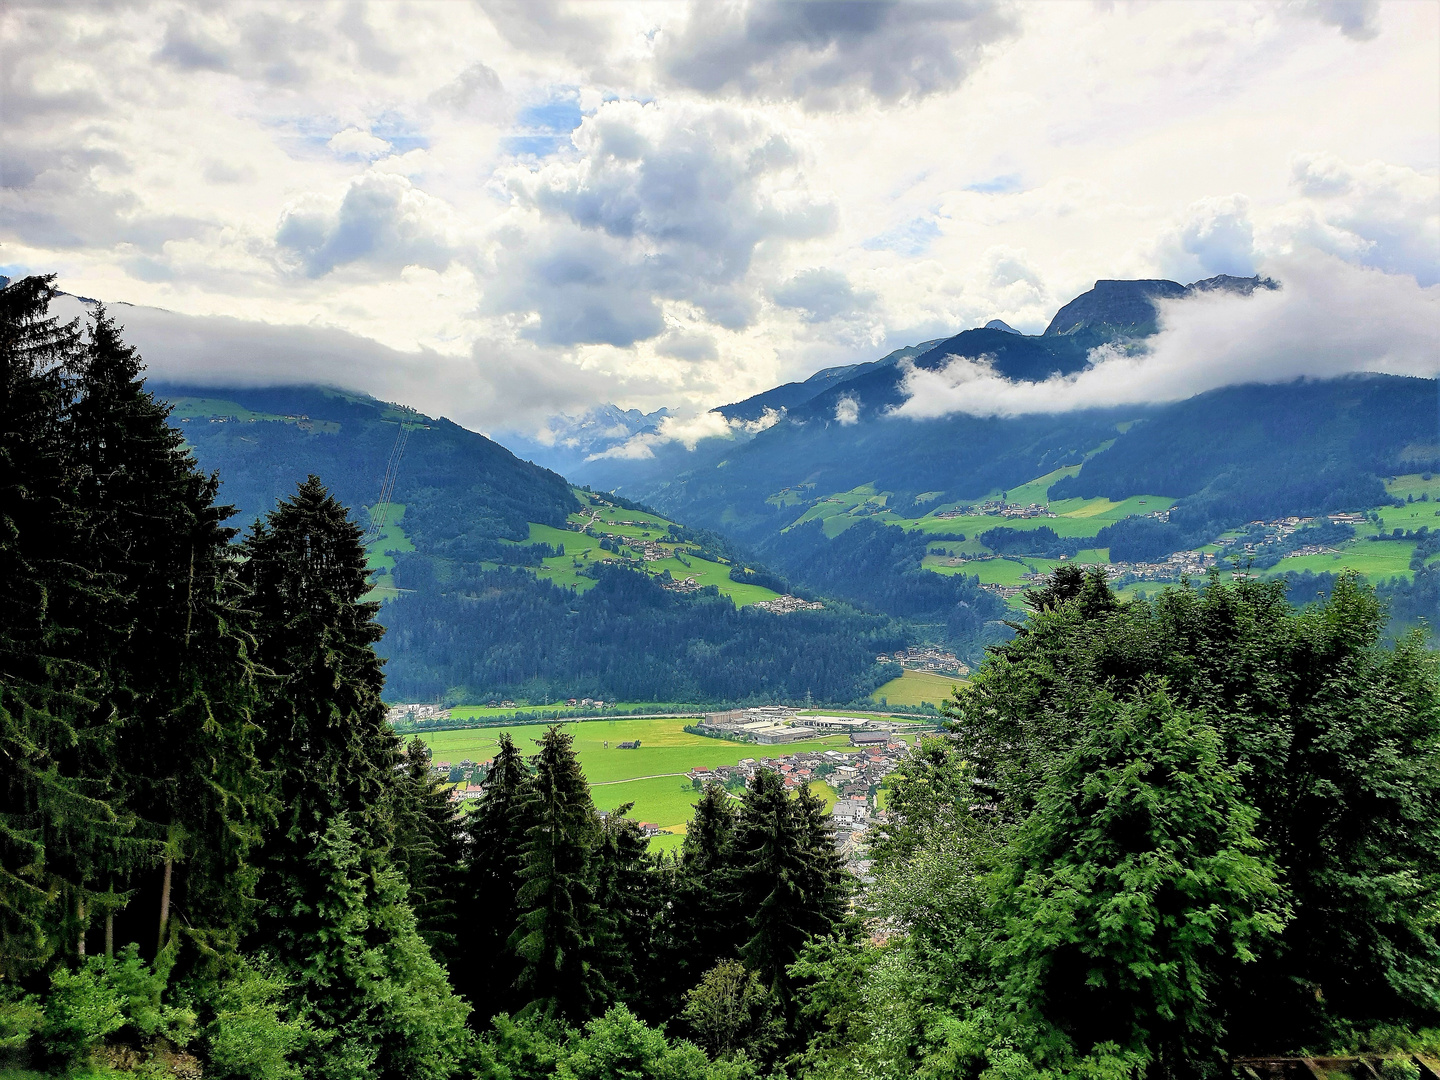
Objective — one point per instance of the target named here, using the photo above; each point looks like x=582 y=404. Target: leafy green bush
x=250 y=1039
x=81 y=1009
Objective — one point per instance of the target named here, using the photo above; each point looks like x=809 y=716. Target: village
x=925 y=658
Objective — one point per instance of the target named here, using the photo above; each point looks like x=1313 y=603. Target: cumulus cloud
x=659 y=203
x=1329 y=318
x=1215 y=236
x=847 y=411
x=1377 y=214
x=689 y=432
x=1356 y=19
x=382 y=220
x=823 y=295
x=352 y=142
x=830 y=53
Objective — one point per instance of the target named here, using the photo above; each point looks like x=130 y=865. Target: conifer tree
x=789 y=883
x=172 y=650
x=495 y=834
x=427 y=848
x=627 y=890
x=703 y=924
x=52 y=811
x=555 y=934
x=324 y=721
x=770 y=855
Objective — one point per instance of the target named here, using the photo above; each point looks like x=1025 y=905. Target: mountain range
x=878 y=517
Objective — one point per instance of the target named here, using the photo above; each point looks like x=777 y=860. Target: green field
x=486 y=713
x=916 y=688
x=380 y=552
x=1378 y=560
x=581 y=551
x=652 y=777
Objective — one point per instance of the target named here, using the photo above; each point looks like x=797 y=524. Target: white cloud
x=382 y=221
x=617 y=200
x=847 y=411
x=1329 y=318
x=832 y=53
x=1215 y=236
x=689 y=432
x=352 y=142
x=1375 y=214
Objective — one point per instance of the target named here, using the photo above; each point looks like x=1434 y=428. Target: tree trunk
x=109 y=934
x=80 y=938
x=165 y=903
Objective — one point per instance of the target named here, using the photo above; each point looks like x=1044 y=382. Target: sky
x=506 y=211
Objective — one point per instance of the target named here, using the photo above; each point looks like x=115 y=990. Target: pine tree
x=325 y=733
x=495 y=834
x=172 y=650
x=627 y=889
x=56 y=816
x=555 y=935
x=785 y=879
x=427 y=848
x=703 y=924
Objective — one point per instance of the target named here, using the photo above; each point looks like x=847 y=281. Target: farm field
x=1378 y=560
x=916 y=688
x=487 y=714
x=582 y=550
x=617 y=776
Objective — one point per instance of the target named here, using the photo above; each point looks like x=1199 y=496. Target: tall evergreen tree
x=627 y=889
x=702 y=924
x=427 y=848
x=495 y=836
x=325 y=732
x=337 y=911
x=785 y=898
x=172 y=648
x=54 y=814
x=555 y=934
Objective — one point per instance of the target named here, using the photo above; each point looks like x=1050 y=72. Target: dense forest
x=1155 y=834
x=482 y=631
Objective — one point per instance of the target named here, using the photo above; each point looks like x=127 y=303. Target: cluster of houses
x=786 y=604
x=925 y=658
x=772 y=724
x=997 y=508
x=681 y=585
x=397 y=713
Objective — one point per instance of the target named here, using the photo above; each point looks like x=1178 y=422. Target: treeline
x=478 y=633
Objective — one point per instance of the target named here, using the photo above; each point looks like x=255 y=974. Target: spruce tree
x=325 y=733
x=494 y=835
x=427 y=848
x=337 y=910
x=785 y=881
x=628 y=891
x=172 y=650
x=554 y=938
x=58 y=813
x=703 y=922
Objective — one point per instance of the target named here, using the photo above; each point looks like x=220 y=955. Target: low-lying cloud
x=689 y=432
x=1329 y=318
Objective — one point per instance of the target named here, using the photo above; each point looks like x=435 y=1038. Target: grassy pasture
x=651 y=777
x=562 y=569
x=1378 y=560
x=916 y=688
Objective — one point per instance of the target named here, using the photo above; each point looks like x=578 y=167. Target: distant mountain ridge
x=1112 y=311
